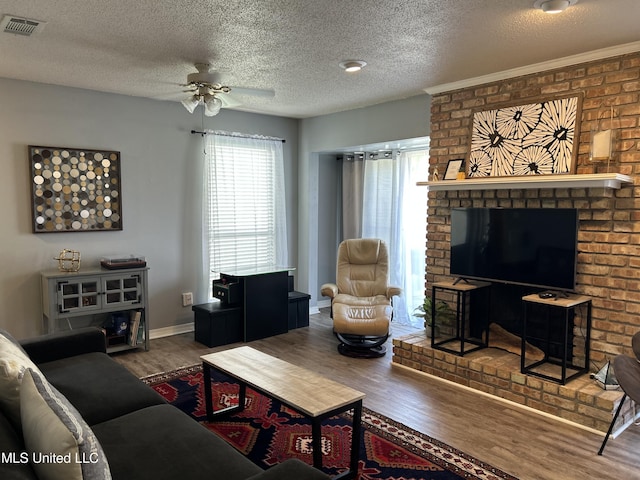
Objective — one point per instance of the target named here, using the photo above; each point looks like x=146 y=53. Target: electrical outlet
x=187 y=299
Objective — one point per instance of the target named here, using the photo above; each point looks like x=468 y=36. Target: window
x=244 y=209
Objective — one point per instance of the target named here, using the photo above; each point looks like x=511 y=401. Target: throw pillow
x=13 y=363
x=4 y=333
x=60 y=444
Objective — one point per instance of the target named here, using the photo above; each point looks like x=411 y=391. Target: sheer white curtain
x=395 y=210
x=244 y=216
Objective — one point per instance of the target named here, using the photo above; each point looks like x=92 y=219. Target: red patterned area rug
x=268 y=433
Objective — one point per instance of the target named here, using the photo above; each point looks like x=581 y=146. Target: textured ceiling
x=146 y=48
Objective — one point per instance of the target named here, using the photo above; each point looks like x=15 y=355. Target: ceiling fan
x=205 y=87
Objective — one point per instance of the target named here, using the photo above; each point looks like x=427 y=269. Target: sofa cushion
x=9 y=337
x=98 y=387
x=163 y=443
x=60 y=443
x=13 y=363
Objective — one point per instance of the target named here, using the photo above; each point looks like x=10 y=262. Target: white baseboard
x=172 y=330
x=323 y=303
x=189 y=327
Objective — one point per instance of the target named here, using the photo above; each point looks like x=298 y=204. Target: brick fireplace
x=608 y=237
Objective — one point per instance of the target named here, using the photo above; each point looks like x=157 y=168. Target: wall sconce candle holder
x=601 y=145
x=602 y=141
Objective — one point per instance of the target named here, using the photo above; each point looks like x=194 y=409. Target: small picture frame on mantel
x=453 y=167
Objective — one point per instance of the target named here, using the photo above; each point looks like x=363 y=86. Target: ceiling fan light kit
x=191 y=103
x=352 y=66
x=554 y=6
x=212 y=105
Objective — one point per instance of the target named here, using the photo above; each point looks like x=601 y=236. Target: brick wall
x=609 y=231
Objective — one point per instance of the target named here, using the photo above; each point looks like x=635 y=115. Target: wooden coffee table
x=310 y=394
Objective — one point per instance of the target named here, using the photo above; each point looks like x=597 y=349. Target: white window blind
x=245 y=203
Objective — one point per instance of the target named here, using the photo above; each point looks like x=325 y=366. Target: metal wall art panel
x=75 y=190
x=532 y=139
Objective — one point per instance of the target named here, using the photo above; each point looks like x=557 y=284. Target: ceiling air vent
x=21 y=26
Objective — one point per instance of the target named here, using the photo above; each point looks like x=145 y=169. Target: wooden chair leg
x=615 y=417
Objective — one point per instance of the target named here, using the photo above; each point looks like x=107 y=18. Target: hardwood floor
x=523 y=443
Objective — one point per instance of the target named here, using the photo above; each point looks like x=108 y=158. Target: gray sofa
x=140 y=434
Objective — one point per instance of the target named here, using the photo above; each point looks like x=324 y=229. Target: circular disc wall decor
x=75 y=190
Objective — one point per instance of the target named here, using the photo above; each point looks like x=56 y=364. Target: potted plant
x=443 y=313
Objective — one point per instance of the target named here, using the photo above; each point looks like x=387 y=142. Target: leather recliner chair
x=361 y=298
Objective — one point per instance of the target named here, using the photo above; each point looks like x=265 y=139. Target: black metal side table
x=547 y=367
x=462 y=340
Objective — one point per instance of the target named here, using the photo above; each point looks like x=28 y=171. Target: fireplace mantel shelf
x=594 y=180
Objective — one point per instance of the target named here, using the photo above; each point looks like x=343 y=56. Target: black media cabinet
x=219 y=324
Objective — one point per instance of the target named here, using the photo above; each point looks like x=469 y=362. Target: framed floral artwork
x=75 y=190
x=530 y=139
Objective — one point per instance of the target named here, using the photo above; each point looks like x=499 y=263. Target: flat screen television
x=526 y=246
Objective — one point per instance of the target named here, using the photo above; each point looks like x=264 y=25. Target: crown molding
x=536 y=68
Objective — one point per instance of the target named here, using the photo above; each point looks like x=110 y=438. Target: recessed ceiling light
x=352 y=65
x=554 y=6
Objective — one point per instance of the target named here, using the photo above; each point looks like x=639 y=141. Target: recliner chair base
x=359 y=346
x=355 y=352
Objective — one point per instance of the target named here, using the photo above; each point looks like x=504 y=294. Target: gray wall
x=160 y=171
x=160 y=199
x=387 y=122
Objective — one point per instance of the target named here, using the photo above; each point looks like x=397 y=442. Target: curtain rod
x=340 y=155
x=241 y=135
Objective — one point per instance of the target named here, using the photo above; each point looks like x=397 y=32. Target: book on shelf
x=134 y=327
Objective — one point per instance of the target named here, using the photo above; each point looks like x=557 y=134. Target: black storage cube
x=298 y=310
x=217 y=324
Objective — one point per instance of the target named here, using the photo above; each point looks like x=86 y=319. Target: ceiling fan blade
x=175 y=96
x=229 y=101
x=256 y=92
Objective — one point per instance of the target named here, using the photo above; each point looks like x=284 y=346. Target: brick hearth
x=497 y=373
